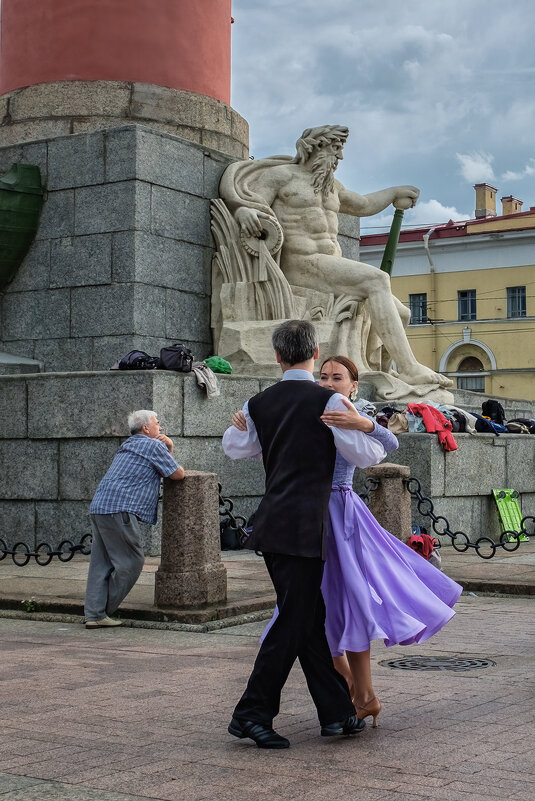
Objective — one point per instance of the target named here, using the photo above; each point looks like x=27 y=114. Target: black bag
x=514 y=427
x=176 y=357
x=525 y=421
x=138 y=360
x=494 y=410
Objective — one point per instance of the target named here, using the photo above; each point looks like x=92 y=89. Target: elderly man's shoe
x=262 y=735
x=351 y=725
x=105 y=623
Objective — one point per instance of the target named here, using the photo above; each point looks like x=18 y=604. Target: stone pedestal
x=191 y=572
x=121 y=259
x=391 y=503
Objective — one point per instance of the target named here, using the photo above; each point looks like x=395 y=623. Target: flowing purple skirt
x=375 y=586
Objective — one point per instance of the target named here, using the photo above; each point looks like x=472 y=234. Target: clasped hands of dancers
x=341 y=580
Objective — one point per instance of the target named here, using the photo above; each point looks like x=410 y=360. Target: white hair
x=138 y=419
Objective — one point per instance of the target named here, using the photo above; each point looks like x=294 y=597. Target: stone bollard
x=390 y=503
x=191 y=572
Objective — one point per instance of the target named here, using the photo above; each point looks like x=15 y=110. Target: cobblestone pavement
x=131 y=714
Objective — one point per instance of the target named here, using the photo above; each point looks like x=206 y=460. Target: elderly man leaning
x=127 y=494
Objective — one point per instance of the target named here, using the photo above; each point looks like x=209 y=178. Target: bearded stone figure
x=278 y=257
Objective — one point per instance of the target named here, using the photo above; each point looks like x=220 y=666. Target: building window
x=475 y=383
x=516 y=301
x=466 y=302
x=418 y=307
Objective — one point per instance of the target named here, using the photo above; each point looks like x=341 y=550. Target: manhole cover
x=455 y=663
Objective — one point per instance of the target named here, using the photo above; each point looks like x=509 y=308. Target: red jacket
x=434 y=421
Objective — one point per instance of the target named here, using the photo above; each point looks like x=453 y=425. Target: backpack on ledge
x=137 y=360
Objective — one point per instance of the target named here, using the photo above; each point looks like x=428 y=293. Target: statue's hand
x=406 y=197
x=249 y=221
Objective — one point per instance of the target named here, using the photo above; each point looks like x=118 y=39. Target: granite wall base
x=62 y=430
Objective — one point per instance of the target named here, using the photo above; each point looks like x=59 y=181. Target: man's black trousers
x=297 y=633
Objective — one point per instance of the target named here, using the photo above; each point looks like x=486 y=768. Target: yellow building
x=471 y=290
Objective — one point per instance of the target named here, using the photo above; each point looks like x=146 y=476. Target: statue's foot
x=419 y=374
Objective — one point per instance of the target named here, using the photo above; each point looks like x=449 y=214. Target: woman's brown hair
x=348 y=364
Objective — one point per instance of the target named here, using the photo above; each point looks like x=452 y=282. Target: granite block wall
x=122 y=256
x=63 y=430
x=66 y=427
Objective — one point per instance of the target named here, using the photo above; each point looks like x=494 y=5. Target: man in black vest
x=299 y=451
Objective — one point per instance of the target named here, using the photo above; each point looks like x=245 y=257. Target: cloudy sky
x=439 y=95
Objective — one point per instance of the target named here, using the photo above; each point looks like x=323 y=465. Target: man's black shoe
x=351 y=725
x=263 y=736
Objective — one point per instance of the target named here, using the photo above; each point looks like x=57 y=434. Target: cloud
x=528 y=170
x=413 y=93
x=476 y=167
x=428 y=213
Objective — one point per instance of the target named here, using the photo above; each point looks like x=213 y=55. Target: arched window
x=471 y=365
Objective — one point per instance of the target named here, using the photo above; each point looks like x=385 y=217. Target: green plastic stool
x=509 y=512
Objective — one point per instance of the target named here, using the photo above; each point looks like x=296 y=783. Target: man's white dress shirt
x=355 y=446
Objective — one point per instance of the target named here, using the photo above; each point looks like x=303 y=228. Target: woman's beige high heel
x=372 y=709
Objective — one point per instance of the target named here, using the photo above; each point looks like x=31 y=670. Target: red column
x=181 y=44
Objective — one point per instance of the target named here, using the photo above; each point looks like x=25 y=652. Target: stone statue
x=278 y=257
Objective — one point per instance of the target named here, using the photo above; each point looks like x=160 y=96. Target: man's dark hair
x=295 y=341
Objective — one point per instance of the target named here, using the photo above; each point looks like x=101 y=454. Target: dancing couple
x=371 y=585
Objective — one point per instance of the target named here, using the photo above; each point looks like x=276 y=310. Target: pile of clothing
x=446 y=419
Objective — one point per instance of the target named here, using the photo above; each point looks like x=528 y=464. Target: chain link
x=483 y=546
x=370 y=485
x=44 y=553
x=237 y=522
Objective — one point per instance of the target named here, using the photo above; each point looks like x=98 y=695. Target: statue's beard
x=323 y=174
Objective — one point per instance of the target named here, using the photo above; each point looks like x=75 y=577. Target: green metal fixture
x=390 y=250
x=21 y=201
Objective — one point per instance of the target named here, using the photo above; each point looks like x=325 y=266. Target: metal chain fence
x=44 y=553
x=483 y=546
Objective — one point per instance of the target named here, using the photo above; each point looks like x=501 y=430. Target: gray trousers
x=116 y=561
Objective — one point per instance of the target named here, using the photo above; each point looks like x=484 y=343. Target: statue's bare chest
x=299 y=193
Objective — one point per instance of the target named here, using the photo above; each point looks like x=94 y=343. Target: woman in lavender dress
x=374 y=586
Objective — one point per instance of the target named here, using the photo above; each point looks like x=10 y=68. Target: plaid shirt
x=132 y=483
